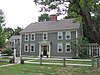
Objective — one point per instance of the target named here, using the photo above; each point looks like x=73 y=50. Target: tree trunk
x=86 y=16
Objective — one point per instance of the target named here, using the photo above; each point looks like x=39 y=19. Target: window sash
x=68 y=35
x=60 y=36
x=59 y=47
x=32 y=37
x=26 y=37
x=45 y=36
x=26 y=48
x=68 y=47
x=32 y=48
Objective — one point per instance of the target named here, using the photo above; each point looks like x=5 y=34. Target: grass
x=4 y=61
x=61 y=61
x=31 y=69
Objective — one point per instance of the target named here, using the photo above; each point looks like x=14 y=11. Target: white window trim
x=30 y=47
x=27 y=47
x=76 y=34
x=58 y=35
x=58 y=48
x=66 y=48
x=34 y=36
x=67 y=32
x=46 y=36
x=28 y=37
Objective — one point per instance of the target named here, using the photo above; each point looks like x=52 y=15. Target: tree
x=80 y=48
x=9 y=32
x=43 y=17
x=17 y=31
x=85 y=9
x=2 y=32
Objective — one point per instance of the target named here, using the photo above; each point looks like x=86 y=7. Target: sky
x=19 y=12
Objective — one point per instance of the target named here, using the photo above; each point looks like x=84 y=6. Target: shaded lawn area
x=4 y=61
x=31 y=69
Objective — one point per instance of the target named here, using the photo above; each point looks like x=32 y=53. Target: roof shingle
x=51 y=26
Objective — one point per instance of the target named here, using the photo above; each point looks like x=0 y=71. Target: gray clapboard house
x=49 y=38
x=14 y=43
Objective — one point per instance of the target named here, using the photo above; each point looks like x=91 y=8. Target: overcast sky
x=19 y=12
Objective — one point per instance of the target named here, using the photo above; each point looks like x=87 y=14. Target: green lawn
x=4 y=61
x=61 y=61
x=31 y=69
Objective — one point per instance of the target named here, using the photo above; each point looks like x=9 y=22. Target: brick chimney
x=53 y=17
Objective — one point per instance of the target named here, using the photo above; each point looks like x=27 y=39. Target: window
x=26 y=48
x=32 y=37
x=60 y=47
x=26 y=37
x=60 y=36
x=32 y=48
x=68 y=35
x=45 y=36
x=68 y=47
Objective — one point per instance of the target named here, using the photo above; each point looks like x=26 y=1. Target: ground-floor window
x=32 y=48
x=60 y=47
x=26 y=47
x=67 y=47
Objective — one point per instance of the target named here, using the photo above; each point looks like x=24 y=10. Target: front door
x=45 y=48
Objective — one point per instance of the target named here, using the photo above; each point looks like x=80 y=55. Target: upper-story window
x=68 y=35
x=68 y=47
x=26 y=37
x=45 y=36
x=60 y=36
x=32 y=37
x=32 y=48
x=26 y=47
x=60 y=47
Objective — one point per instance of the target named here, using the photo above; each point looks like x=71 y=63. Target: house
x=49 y=38
x=14 y=43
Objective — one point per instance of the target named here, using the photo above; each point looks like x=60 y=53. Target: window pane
x=68 y=35
x=60 y=47
x=68 y=48
x=60 y=35
x=44 y=36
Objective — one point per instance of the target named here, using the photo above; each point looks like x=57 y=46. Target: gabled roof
x=12 y=38
x=51 y=26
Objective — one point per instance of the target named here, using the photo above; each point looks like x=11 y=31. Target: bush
x=7 y=51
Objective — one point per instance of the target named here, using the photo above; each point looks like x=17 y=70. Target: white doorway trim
x=45 y=43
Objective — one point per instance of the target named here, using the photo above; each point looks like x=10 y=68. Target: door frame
x=45 y=43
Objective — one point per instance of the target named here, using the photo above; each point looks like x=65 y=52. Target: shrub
x=7 y=51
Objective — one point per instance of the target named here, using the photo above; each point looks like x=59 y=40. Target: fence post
x=40 y=60
x=64 y=62
x=92 y=62
x=97 y=62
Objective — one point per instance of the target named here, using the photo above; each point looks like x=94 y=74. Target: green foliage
x=86 y=9
x=7 y=51
x=80 y=47
x=43 y=17
x=17 y=31
x=9 y=32
x=2 y=33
